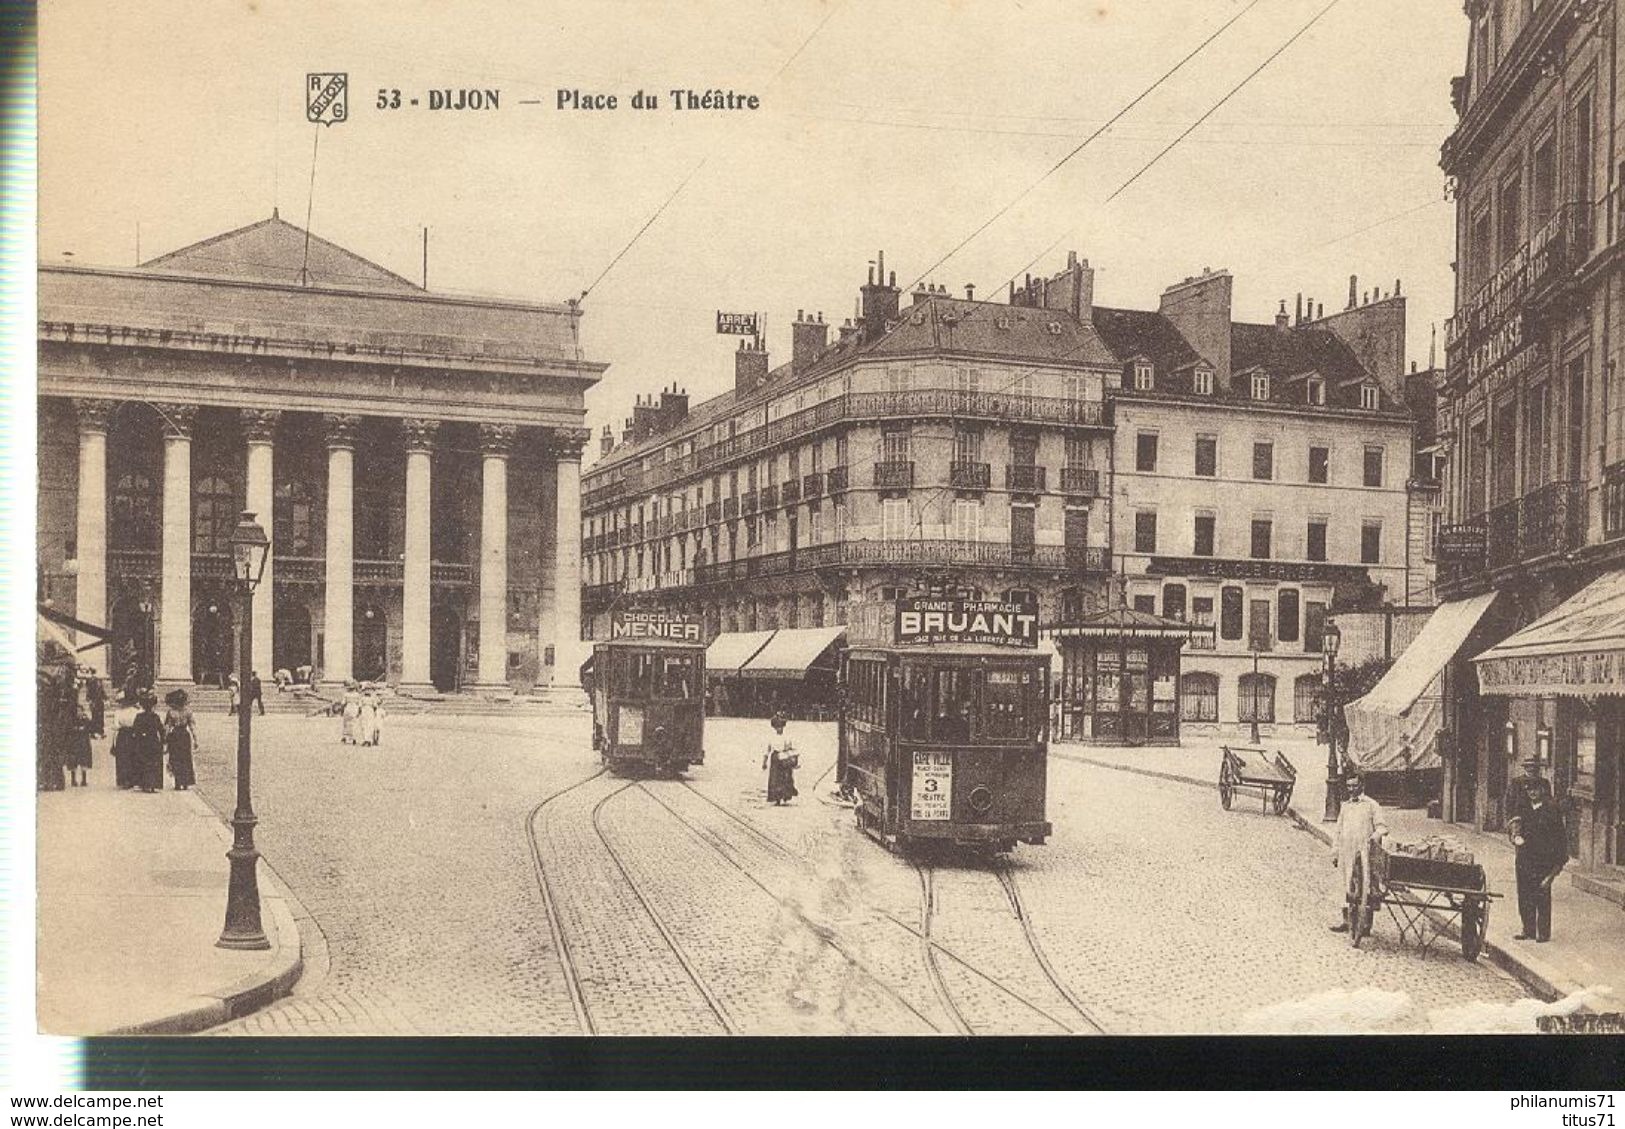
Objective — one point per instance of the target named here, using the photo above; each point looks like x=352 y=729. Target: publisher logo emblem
x=326 y=98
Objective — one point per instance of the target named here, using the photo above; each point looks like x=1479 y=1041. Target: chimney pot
x=970 y=292
x=1320 y=311
x=1354 y=282
x=1396 y=288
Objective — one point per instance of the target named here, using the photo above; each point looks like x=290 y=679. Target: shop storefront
x=1559 y=684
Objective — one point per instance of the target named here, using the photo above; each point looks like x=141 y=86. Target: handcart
x=1249 y=769
x=1422 y=896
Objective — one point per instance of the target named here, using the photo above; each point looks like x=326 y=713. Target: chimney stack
x=1282 y=321
x=1299 y=319
x=808 y=338
x=879 y=302
x=606 y=442
x=1354 y=282
x=750 y=367
x=970 y=292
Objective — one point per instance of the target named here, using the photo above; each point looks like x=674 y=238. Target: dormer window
x=1204 y=382
x=1369 y=397
x=1261 y=386
x=1144 y=376
x=1315 y=391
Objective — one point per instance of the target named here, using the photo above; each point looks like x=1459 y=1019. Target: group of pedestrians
x=238 y=700
x=143 y=739
x=362 y=715
x=71 y=708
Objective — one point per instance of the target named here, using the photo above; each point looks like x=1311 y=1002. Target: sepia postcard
x=919 y=518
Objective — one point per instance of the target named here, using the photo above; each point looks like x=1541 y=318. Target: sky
x=895 y=126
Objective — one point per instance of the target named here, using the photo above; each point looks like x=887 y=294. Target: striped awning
x=1575 y=650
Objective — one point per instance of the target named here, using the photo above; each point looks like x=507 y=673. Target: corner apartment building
x=1530 y=420
x=947 y=435
x=1263 y=481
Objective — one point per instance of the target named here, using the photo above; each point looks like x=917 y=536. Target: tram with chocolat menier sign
x=647 y=684
x=944 y=712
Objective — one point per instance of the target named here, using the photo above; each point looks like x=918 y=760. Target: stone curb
x=210 y=1009
x=1540 y=978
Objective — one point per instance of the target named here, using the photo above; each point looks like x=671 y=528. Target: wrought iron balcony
x=1613 y=501
x=837 y=479
x=598 y=597
x=791 y=492
x=1024 y=478
x=1088 y=558
x=1502 y=535
x=1080 y=480
x=1552 y=521
x=894 y=475
x=969 y=476
x=812 y=486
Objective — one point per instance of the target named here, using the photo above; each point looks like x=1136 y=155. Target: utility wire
x=1187 y=132
x=1135 y=101
x=647 y=224
x=1231 y=93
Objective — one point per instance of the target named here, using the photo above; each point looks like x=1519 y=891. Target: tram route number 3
x=933 y=785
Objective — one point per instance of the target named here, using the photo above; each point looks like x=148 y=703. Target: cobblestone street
x=693 y=907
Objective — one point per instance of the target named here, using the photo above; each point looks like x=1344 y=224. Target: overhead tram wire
x=675 y=192
x=1211 y=110
x=1111 y=121
x=1231 y=93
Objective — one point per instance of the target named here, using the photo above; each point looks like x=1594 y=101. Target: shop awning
x=1576 y=650
x=51 y=624
x=792 y=652
x=1126 y=623
x=733 y=649
x=1396 y=725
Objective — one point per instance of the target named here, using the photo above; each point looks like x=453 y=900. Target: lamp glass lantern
x=1333 y=638
x=250 y=548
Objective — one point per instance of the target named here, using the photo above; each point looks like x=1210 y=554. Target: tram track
x=555 y=926
x=932 y=948
x=572 y=950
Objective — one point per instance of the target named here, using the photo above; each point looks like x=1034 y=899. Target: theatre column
x=415 y=578
x=568 y=650
x=90 y=535
x=339 y=551
x=496 y=441
x=175 y=626
x=259 y=434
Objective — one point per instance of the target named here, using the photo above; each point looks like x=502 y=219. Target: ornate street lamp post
x=249 y=549
x=1332 y=638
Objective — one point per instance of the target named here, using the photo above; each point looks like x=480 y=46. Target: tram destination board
x=997 y=623
x=933 y=786
x=656 y=625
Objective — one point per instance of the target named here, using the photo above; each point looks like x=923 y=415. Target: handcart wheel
x=1283 y=797
x=1475 y=922
x=1358 y=924
x=1227 y=789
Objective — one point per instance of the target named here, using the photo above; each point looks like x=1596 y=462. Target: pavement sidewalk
x=1587 y=949
x=132 y=897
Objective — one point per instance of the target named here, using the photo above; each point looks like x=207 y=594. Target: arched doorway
x=131 y=651
x=290 y=642
x=212 y=638
x=370 y=656
x=445 y=647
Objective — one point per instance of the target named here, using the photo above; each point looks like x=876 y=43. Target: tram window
x=1007 y=705
x=677 y=677
x=914 y=710
x=951 y=721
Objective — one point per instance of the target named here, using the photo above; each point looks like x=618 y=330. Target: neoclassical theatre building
x=414 y=456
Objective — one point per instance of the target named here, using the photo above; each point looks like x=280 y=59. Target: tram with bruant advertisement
x=943 y=729
x=647 y=686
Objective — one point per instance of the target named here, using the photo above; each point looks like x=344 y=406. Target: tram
x=943 y=732
x=647 y=685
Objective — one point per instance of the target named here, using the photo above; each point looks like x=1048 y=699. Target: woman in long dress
x=180 y=739
x=350 y=734
x=147 y=739
x=367 y=718
x=82 y=724
x=123 y=744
